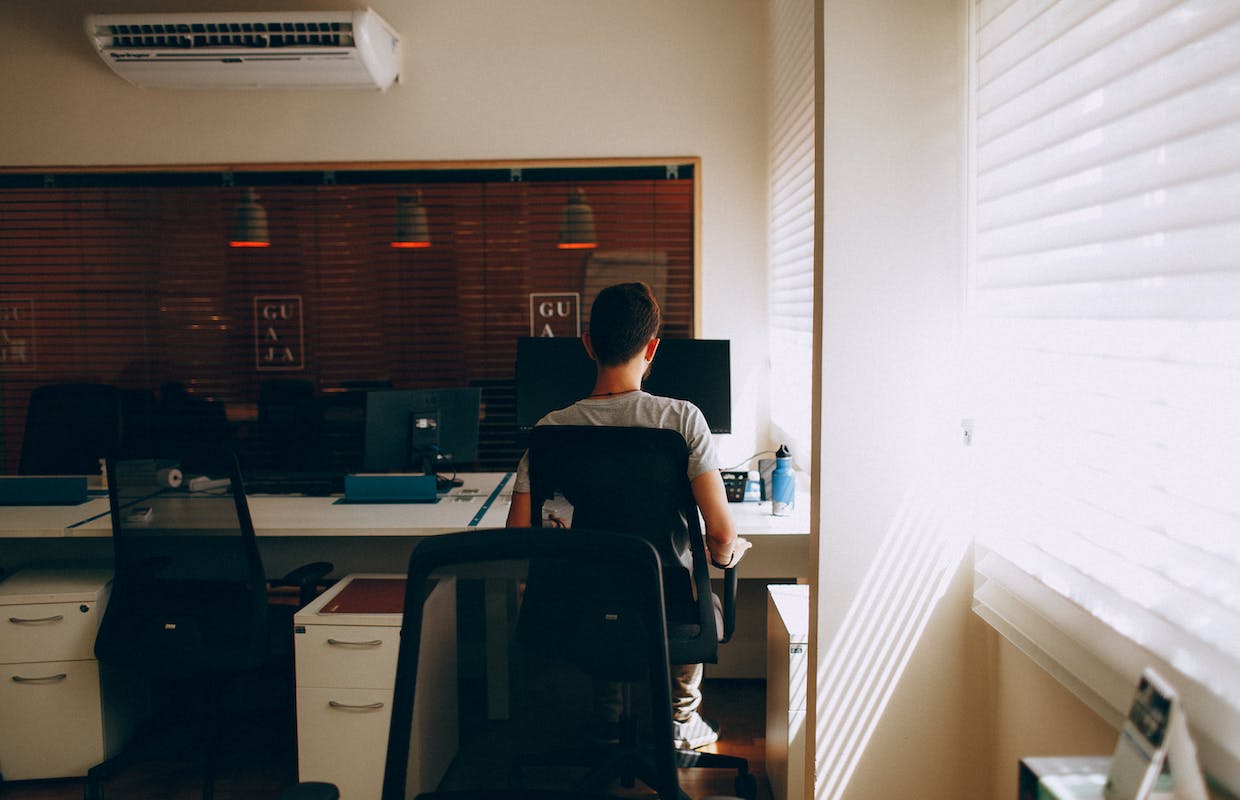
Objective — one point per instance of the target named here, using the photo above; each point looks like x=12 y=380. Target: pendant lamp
x=577 y=223
x=411 y=229
x=250 y=222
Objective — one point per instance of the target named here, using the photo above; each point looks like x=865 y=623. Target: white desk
x=293 y=529
x=780 y=544
x=299 y=515
x=47 y=522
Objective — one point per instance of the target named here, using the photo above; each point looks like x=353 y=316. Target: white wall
x=917 y=697
x=482 y=80
x=898 y=712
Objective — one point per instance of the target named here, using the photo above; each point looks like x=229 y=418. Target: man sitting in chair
x=623 y=338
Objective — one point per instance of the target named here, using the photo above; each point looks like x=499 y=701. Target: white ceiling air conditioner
x=249 y=50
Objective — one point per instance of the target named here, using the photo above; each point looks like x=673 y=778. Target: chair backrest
x=290 y=424
x=139 y=412
x=634 y=481
x=194 y=427
x=627 y=618
x=189 y=590
x=69 y=427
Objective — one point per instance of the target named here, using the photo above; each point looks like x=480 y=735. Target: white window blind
x=1105 y=334
x=792 y=218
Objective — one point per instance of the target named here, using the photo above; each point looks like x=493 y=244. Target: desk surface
x=781 y=543
x=480 y=503
x=44 y=522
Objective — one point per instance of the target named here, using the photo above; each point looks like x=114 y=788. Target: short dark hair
x=623 y=318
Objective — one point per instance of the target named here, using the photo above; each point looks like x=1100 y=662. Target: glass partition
x=128 y=279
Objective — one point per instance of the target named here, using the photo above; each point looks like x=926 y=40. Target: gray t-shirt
x=636 y=410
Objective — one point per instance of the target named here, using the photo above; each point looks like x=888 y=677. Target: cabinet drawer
x=47 y=632
x=342 y=738
x=38 y=699
x=356 y=656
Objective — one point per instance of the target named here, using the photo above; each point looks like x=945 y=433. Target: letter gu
x=559 y=308
x=275 y=312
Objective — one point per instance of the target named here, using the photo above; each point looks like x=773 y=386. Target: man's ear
x=585 y=340
x=651 y=347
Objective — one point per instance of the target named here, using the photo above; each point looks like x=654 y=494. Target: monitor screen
x=556 y=372
x=414 y=429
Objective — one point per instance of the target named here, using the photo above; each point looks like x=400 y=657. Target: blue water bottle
x=783 y=484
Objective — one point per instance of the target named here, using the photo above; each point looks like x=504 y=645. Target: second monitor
x=421 y=429
x=555 y=372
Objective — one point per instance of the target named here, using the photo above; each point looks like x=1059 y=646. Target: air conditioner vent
x=316 y=49
x=184 y=36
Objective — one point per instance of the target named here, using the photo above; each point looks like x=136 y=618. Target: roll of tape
x=169 y=477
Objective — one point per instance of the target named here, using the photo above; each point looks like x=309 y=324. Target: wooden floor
x=260 y=758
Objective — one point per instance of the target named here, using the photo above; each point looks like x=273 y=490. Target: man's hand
x=739 y=546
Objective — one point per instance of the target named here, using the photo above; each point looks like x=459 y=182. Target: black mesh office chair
x=189 y=598
x=635 y=481
x=619 y=621
x=69 y=427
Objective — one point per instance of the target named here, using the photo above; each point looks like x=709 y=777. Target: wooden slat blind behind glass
x=137 y=287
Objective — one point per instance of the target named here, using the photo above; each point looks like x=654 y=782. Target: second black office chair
x=189 y=594
x=69 y=427
x=635 y=481
x=619 y=621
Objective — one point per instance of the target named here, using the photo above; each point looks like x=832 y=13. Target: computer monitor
x=556 y=372
x=421 y=429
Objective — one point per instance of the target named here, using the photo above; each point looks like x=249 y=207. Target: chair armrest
x=311 y=791
x=305 y=578
x=306 y=573
x=729 y=604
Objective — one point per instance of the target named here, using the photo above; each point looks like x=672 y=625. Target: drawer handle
x=40 y=621
x=44 y=679
x=343 y=643
x=349 y=707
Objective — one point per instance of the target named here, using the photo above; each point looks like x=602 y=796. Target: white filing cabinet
x=61 y=716
x=787 y=637
x=346 y=644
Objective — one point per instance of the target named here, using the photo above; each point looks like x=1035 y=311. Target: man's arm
x=519 y=510
x=724 y=545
